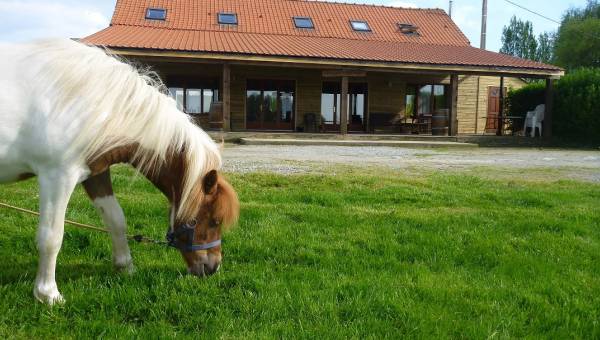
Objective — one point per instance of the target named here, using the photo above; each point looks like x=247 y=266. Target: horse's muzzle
x=206 y=265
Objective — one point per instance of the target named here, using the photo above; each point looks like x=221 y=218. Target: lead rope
x=136 y=238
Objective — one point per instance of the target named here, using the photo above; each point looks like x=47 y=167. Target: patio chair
x=534 y=119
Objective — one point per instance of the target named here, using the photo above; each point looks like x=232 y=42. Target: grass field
x=316 y=256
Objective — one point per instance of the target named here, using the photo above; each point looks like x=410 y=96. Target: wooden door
x=493 y=108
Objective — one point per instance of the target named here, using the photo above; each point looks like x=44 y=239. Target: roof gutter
x=246 y=59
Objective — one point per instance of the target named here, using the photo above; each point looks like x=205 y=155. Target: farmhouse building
x=312 y=66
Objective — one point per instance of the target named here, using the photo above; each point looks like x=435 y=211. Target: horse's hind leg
x=56 y=188
x=99 y=189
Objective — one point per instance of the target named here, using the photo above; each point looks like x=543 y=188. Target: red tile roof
x=265 y=27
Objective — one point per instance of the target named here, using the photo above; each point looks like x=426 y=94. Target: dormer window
x=227 y=18
x=408 y=29
x=156 y=14
x=360 y=26
x=303 y=22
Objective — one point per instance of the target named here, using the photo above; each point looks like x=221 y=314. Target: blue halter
x=190 y=231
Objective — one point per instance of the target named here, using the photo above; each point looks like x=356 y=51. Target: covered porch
x=339 y=98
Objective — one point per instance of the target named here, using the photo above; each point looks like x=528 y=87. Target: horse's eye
x=215 y=223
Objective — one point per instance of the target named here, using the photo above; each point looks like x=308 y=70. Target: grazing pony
x=68 y=112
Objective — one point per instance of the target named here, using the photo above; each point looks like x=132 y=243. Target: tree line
x=575 y=44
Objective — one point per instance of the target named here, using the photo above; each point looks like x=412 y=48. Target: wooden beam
x=226 y=97
x=453 y=117
x=367 y=115
x=344 y=107
x=245 y=59
x=477 y=105
x=547 y=123
x=500 y=130
x=344 y=73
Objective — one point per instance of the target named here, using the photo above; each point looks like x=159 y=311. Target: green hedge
x=576 y=115
x=525 y=99
x=577 y=106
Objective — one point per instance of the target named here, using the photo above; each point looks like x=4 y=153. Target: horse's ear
x=209 y=183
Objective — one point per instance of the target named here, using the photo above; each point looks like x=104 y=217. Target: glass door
x=270 y=104
x=331 y=106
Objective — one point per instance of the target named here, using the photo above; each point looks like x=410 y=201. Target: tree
x=545 y=49
x=578 y=38
x=518 y=39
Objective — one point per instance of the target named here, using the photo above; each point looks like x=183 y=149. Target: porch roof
x=265 y=29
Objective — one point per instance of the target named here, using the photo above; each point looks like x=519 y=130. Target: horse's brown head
x=199 y=240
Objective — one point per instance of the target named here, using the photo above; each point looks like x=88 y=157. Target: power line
x=536 y=13
x=554 y=21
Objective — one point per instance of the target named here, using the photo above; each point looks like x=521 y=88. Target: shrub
x=518 y=102
x=525 y=99
x=577 y=106
x=576 y=115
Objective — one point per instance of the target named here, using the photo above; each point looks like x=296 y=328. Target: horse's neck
x=167 y=178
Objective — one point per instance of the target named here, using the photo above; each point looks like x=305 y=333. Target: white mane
x=121 y=105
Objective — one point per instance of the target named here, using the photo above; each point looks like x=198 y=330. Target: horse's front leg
x=56 y=188
x=99 y=189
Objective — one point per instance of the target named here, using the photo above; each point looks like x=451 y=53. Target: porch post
x=500 y=130
x=453 y=117
x=344 y=107
x=547 y=123
x=226 y=97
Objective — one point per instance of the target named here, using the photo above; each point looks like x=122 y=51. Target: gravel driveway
x=299 y=159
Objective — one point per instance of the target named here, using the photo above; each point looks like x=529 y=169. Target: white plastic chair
x=534 y=119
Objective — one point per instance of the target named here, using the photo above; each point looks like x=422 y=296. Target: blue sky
x=24 y=20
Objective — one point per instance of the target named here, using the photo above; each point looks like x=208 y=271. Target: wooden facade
x=473 y=97
x=386 y=93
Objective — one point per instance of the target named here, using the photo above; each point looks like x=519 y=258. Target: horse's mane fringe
x=122 y=106
x=228 y=204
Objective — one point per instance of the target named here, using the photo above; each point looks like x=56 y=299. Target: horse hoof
x=49 y=298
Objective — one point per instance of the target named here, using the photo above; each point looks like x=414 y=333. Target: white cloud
x=33 y=19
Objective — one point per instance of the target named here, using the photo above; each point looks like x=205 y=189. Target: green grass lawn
x=317 y=256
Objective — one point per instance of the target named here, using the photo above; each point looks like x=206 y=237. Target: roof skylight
x=360 y=26
x=227 y=18
x=156 y=14
x=303 y=22
x=408 y=29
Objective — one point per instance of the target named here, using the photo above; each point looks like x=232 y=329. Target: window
x=440 y=100
x=360 y=26
x=408 y=29
x=228 y=19
x=208 y=97
x=423 y=100
x=303 y=22
x=156 y=14
x=194 y=101
x=425 y=93
x=177 y=94
x=411 y=101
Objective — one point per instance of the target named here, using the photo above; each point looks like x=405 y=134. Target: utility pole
x=483 y=25
x=450 y=9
